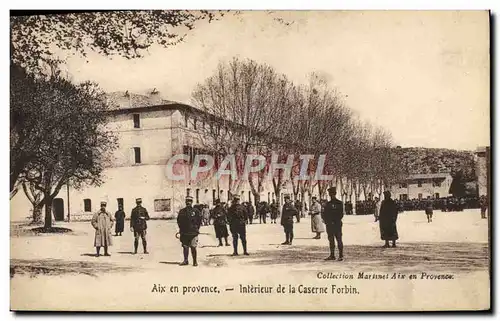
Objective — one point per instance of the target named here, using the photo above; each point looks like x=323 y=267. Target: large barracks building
x=150 y=131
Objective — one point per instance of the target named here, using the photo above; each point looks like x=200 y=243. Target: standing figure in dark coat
x=189 y=221
x=251 y=211
x=120 y=221
x=219 y=216
x=274 y=211
x=428 y=211
x=483 y=204
x=332 y=215
x=263 y=210
x=387 y=220
x=139 y=226
x=287 y=213
x=237 y=217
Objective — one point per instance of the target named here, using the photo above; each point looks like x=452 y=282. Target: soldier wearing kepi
x=189 y=221
x=102 y=223
x=429 y=210
x=138 y=225
x=288 y=212
x=237 y=217
x=219 y=216
x=332 y=216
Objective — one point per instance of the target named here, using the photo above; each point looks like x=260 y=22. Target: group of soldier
x=103 y=222
x=238 y=215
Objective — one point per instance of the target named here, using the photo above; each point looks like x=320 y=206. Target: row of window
x=419 y=184
x=270 y=196
x=404 y=197
x=160 y=205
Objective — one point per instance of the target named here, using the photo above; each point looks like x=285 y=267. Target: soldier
x=138 y=225
x=263 y=210
x=287 y=213
x=332 y=216
x=250 y=211
x=189 y=221
x=237 y=217
x=274 y=211
x=205 y=213
x=483 y=204
x=219 y=216
x=429 y=211
x=102 y=223
x=120 y=221
x=377 y=208
x=387 y=220
x=316 y=223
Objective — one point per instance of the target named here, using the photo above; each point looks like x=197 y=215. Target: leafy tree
x=457 y=186
x=72 y=146
x=126 y=33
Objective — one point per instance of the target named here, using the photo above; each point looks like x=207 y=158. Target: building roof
x=481 y=149
x=123 y=100
x=427 y=176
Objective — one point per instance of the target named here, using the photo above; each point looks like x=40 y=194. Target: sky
x=422 y=75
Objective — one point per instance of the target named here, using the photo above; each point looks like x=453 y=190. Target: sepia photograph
x=250 y=160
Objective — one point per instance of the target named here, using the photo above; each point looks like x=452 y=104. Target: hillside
x=435 y=160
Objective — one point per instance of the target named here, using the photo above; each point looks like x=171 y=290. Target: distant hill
x=419 y=160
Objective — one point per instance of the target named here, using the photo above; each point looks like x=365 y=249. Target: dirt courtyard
x=60 y=271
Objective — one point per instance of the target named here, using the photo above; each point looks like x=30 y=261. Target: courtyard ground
x=60 y=272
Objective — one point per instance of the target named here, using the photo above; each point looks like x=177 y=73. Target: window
x=419 y=196
x=197 y=196
x=214 y=192
x=437 y=195
x=268 y=197
x=194 y=123
x=250 y=196
x=419 y=182
x=162 y=205
x=137 y=121
x=87 y=205
x=403 y=197
x=120 y=202
x=137 y=155
x=436 y=183
x=188 y=192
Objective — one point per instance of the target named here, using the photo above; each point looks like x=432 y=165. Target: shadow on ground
x=450 y=257
x=60 y=267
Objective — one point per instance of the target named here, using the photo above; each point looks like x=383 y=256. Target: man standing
x=138 y=225
x=189 y=221
x=288 y=212
x=332 y=216
x=263 y=210
x=274 y=211
x=316 y=223
x=377 y=209
x=120 y=221
x=219 y=216
x=429 y=210
x=205 y=213
x=102 y=223
x=250 y=211
x=387 y=220
x=237 y=217
x=483 y=204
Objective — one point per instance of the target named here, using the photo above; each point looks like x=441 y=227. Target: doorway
x=58 y=209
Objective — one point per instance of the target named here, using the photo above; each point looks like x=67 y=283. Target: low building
x=423 y=186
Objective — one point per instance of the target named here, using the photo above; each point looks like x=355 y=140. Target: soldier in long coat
x=333 y=212
x=288 y=212
x=316 y=222
x=237 y=217
x=219 y=216
x=429 y=210
x=120 y=221
x=377 y=209
x=102 y=223
x=387 y=220
x=139 y=226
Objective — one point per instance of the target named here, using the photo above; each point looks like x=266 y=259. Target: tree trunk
x=48 y=210
x=37 y=213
